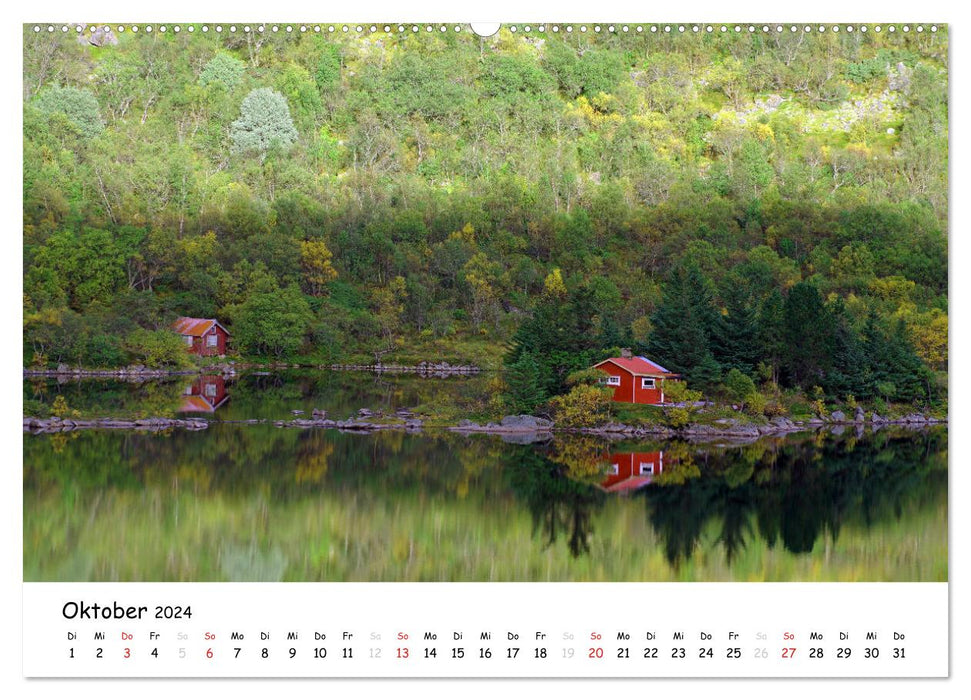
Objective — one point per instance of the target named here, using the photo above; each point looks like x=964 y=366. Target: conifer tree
x=734 y=338
x=683 y=324
x=808 y=335
x=770 y=335
x=523 y=380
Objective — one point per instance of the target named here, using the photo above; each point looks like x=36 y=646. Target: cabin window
x=210 y=390
x=647 y=383
x=613 y=381
x=647 y=467
x=188 y=340
x=615 y=469
x=212 y=341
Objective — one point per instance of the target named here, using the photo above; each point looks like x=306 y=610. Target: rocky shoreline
x=63 y=425
x=425 y=369
x=522 y=428
x=733 y=428
x=132 y=373
x=229 y=369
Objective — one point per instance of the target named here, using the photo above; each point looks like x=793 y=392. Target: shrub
x=158 y=348
x=755 y=404
x=738 y=386
x=678 y=392
x=590 y=377
x=677 y=418
x=36 y=409
x=584 y=405
x=59 y=407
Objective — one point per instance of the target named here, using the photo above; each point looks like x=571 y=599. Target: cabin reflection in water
x=630 y=471
x=204 y=395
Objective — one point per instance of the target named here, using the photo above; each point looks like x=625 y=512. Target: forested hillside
x=772 y=203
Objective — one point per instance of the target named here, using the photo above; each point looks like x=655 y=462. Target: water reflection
x=256 y=395
x=630 y=471
x=322 y=505
x=792 y=492
x=204 y=395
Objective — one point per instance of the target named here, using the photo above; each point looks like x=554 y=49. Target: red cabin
x=202 y=336
x=204 y=395
x=635 y=379
x=630 y=471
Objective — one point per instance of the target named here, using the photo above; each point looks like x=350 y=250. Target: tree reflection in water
x=792 y=491
x=796 y=492
x=558 y=504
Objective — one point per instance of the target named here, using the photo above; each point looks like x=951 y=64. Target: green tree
x=808 y=333
x=770 y=338
x=318 y=270
x=264 y=123
x=525 y=391
x=682 y=327
x=734 y=336
x=223 y=68
x=738 y=386
x=301 y=93
x=79 y=107
x=272 y=321
x=328 y=73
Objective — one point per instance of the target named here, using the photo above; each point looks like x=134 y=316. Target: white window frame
x=613 y=380
x=645 y=385
x=212 y=341
x=647 y=468
x=211 y=390
x=615 y=469
x=188 y=340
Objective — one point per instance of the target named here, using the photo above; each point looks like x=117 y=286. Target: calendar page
x=560 y=349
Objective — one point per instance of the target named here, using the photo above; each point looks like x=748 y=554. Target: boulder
x=524 y=422
x=858 y=415
x=837 y=416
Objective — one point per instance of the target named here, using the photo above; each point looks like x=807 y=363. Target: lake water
x=256 y=502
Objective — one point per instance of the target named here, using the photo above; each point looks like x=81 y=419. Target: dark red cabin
x=635 y=379
x=202 y=336
x=630 y=471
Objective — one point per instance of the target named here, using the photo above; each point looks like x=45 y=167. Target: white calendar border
x=508 y=10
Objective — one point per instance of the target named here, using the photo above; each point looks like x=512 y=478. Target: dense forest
x=769 y=207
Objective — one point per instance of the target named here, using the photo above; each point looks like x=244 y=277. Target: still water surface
x=256 y=502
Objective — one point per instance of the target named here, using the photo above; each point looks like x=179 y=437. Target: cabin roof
x=638 y=366
x=631 y=483
x=196 y=327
